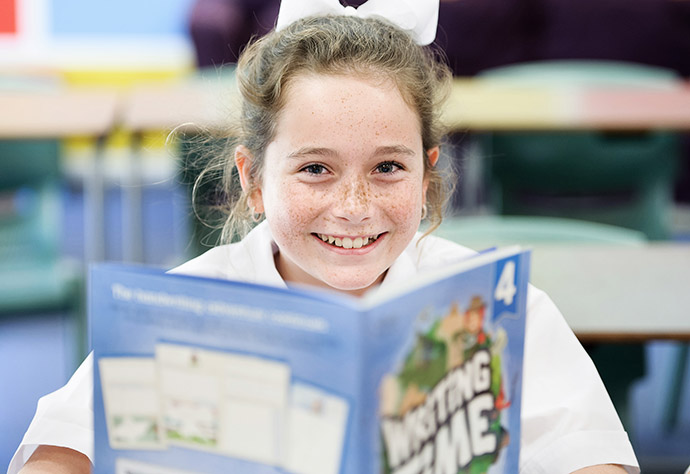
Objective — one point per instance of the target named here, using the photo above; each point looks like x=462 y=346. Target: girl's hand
x=602 y=469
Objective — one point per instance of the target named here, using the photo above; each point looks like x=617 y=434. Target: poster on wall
x=8 y=17
x=154 y=18
x=73 y=35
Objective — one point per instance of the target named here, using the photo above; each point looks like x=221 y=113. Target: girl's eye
x=314 y=169
x=388 y=167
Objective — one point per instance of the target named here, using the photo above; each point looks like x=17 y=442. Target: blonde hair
x=333 y=45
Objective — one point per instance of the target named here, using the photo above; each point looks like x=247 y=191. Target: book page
x=131 y=402
x=316 y=431
x=228 y=403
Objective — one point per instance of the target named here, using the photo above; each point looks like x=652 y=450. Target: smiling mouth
x=348 y=242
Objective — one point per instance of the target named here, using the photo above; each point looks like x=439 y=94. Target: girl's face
x=343 y=182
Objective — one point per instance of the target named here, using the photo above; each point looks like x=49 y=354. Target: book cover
x=195 y=375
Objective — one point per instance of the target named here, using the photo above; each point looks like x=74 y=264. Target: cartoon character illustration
x=450 y=331
x=457 y=348
x=475 y=336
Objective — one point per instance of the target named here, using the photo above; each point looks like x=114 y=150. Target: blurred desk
x=184 y=105
x=615 y=294
x=611 y=293
x=56 y=113
x=482 y=105
x=62 y=113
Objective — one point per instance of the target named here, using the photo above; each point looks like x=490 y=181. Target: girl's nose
x=352 y=201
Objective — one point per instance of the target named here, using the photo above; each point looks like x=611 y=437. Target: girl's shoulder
x=210 y=264
x=431 y=251
x=250 y=259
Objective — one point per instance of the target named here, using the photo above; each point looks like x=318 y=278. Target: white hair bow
x=417 y=17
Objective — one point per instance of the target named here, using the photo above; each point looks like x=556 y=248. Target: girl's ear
x=433 y=154
x=243 y=162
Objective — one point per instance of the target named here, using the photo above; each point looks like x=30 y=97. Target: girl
x=337 y=154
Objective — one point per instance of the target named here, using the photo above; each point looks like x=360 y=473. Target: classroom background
x=115 y=188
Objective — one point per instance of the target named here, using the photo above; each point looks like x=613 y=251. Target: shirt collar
x=262 y=250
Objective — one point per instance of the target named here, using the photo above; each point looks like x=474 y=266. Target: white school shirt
x=568 y=419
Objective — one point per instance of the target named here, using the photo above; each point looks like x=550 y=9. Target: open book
x=203 y=375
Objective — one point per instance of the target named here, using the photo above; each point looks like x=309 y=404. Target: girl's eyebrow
x=380 y=151
x=394 y=150
x=310 y=150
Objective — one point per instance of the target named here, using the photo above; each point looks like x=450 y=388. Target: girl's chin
x=355 y=287
x=353 y=291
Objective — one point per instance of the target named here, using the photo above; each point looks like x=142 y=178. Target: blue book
x=202 y=375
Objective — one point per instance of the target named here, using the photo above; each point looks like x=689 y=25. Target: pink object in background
x=8 y=16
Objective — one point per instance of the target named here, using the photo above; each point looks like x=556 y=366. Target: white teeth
x=347 y=242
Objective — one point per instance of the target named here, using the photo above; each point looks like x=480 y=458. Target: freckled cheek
x=293 y=208
x=402 y=204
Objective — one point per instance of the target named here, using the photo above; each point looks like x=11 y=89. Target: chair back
x=620 y=178
x=29 y=201
x=482 y=232
x=33 y=274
